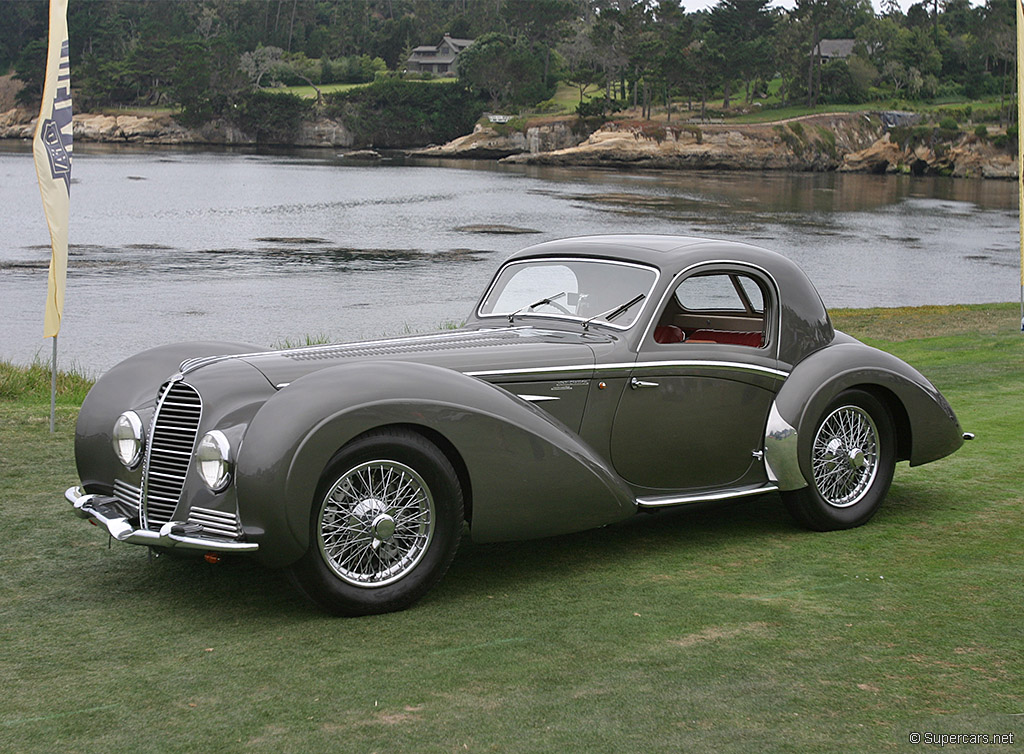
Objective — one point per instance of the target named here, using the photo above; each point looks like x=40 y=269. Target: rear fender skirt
x=530 y=475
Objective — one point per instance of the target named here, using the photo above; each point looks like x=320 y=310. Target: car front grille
x=171 y=445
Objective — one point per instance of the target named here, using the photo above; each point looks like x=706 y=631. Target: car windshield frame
x=524 y=309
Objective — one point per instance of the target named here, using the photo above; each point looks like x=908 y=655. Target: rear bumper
x=108 y=512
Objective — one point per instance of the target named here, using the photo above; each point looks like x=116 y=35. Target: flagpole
x=53 y=387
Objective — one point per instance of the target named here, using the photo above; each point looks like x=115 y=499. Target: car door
x=694 y=412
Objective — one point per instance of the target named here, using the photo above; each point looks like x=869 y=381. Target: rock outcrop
x=815 y=143
x=487 y=142
x=20 y=123
x=969 y=157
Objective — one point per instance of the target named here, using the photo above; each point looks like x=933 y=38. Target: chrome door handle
x=637 y=384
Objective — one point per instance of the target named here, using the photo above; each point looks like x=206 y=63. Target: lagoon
x=177 y=244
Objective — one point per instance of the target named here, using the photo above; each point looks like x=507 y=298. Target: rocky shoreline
x=844 y=142
x=20 y=124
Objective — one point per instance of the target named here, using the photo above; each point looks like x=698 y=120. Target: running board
x=662 y=501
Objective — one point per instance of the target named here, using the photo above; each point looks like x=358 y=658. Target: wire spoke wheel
x=849 y=463
x=384 y=525
x=844 y=458
x=376 y=523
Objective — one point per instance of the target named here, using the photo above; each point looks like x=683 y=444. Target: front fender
x=931 y=430
x=530 y=475
x=130 y=384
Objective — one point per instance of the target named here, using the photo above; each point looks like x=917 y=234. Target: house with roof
x=835 y=49
x=441 y=58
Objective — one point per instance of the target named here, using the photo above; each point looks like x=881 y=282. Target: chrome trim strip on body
x=704 y=497
x=781 y=455
x=630 y=365
x=92 y=507
x=538 y=398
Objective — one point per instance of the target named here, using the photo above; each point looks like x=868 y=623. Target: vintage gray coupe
x=596 y=378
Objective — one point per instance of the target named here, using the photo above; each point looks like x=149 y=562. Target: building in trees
x=441 y=58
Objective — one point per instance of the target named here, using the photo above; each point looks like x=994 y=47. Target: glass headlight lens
x=213 y=460
x=127 y=439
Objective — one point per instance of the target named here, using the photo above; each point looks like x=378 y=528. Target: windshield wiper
x=611 y=314
x=534 y=305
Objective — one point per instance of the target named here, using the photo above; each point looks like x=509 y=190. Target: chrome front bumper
x=105 y=510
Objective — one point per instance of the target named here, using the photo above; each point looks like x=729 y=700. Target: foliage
x=201 y=56
x=507 y=71
x=271 y=117
x=398 y=113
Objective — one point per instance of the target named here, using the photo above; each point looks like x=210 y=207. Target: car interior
x=715 y=307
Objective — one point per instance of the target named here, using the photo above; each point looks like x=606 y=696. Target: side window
x=721 y=306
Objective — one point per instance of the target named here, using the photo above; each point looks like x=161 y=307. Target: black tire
x=384 y=525
x=852 y=458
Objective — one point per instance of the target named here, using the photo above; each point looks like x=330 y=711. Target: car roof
x=662 y=251
x=807 y=325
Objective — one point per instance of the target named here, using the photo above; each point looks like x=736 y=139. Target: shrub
x=981 y=131
x=948 y=123
x=398 y=113
x=271 y=117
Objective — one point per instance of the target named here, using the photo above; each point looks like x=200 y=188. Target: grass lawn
x=714 y=629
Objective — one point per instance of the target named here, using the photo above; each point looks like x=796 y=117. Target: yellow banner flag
x=52 y=150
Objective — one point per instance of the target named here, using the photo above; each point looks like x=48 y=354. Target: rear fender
x=530 y=475
x=931 y=430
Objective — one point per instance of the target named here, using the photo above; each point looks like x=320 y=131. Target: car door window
x=716 y=306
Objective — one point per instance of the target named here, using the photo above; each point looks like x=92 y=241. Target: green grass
x=714 y=629
x=308 y=92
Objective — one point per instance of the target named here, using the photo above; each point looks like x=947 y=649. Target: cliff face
x=968 y=157
x=20 y=123
x=809 y=147
x=486 y=142
x=853 y=142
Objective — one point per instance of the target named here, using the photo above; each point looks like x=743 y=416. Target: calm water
x=177 y=245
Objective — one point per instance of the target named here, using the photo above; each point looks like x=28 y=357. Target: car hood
x=489 y=353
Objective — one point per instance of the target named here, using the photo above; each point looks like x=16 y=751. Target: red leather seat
x=668 y=334
x=752 y=339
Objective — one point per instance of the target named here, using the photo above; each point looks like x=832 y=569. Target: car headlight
x=213 y=460
x=127 y=439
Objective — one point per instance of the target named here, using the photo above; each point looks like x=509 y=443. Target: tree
x=744 y=27
x=540 y=21
x=259 y=62
x=506 y=71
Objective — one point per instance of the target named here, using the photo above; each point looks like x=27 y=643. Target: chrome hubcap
x=376 y=523
x=844 y=457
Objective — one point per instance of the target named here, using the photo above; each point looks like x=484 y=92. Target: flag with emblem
x=52 y=150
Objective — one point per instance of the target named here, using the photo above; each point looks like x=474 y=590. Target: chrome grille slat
x=214 y=522
x=128 y=494
x=171 y=445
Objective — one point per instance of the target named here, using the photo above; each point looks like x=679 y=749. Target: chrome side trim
x=705 y=497
x=629 y=365
x=539 y=398
x=172 y=534
x=781 y=457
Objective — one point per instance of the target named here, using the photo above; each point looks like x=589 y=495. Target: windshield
x=583 y=289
